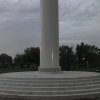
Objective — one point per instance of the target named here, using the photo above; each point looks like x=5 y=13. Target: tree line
x=86 y=56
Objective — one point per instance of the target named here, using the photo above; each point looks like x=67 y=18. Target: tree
x=66 y=57
x=5 y=60
x=30 y=57
x=19 y=60
x=87 y=55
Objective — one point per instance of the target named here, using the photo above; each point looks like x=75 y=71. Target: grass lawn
x=8 y=70
x=86 y=69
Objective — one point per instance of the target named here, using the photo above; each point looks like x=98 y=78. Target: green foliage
x=32 y=55
x=88 y=55
x=67 y=57
x=19 y=60
x=30 y=58
x=5 y=60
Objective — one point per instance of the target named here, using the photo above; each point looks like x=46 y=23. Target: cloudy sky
x=79 y=21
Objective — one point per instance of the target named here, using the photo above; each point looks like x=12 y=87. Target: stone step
x=49 y=88
x=74 y=96
x=65 y=92
x=50 y=81
x=53 y=84
x=15 y=85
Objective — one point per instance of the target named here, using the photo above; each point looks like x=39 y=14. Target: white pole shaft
x=49 y=50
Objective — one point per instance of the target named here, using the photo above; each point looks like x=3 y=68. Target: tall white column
x=49 y=50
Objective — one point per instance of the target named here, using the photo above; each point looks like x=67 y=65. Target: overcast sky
x=79 y=21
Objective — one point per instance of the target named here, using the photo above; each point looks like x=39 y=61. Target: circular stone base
x=46 y=86
x=36 y=74
x=49 y=70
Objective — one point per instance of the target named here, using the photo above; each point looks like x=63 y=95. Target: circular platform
x=64 y=74
x=46 y=86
